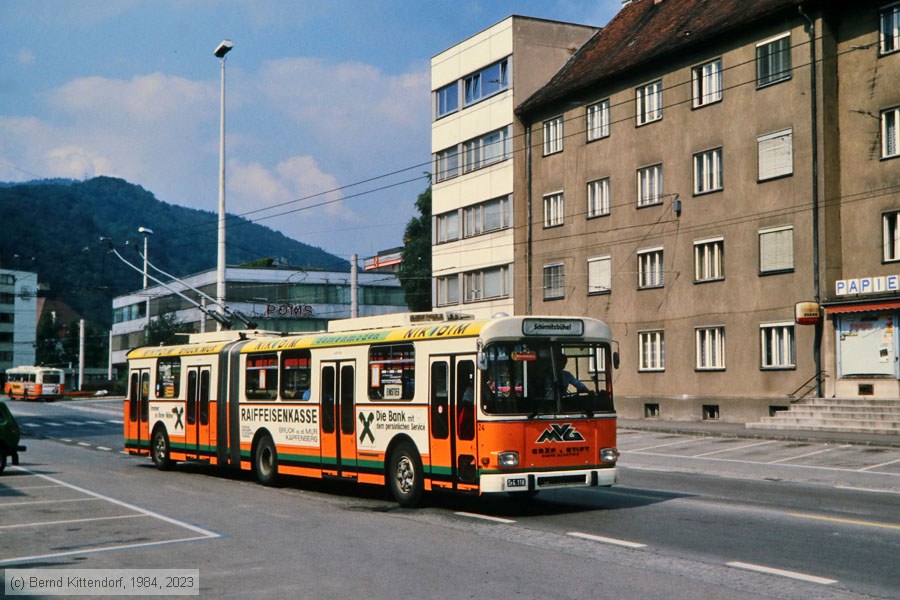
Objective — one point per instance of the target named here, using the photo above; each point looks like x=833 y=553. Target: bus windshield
x=546 y=378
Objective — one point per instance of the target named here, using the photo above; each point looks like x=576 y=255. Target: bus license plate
x=517 y=482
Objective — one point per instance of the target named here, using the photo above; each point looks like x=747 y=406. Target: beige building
x=691 y=178
x=475 y=87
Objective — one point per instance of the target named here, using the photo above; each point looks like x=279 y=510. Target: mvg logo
x=560 y=433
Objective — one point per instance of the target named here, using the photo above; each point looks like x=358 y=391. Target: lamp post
x=221 y=50
x=144 y=231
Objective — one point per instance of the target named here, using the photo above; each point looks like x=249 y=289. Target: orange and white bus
x=34 y=383
x=416 y=402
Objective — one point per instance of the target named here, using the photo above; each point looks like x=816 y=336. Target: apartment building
x=18 y=318
x=476 y=85
x=700 y=168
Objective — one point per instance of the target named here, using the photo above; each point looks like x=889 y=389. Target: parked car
x=9 y=437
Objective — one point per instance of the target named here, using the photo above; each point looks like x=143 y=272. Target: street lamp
x=146 y=232
x=221 y=50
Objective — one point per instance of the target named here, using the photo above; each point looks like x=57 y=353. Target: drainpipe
x=814 y=140
x=528 y=258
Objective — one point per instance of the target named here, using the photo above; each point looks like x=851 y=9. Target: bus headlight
x=609 y=455
x=508 y=459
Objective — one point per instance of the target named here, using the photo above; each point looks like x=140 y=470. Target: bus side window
x=133 y=395
x=261 y=376
x=327 y=397
x=465 y=399
x=440 y=399
x=168 y=377
x=295 y=374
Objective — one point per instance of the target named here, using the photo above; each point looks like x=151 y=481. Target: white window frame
x=890 y=224
x=474 y=283
x=778 y=348
x=708 y=171
x=486 y=150
x=446 y=164
x=554 y=281
x=473 y=85
x=889 y=29
x=706 y=83
x=447 y=292
x=890 y=132
x=775 y=154
x=776 y=249
x=554 y=209
x=648 y=102
x=650 y=185
x=444 y=226
x=709 y=344
x=553 y=135
x=475 y=223
x=441 y=99
x=598 y=120
x=652 y=350
x=651 y=268
x=599 y=269
x=598 y=198
x=767 y=71
x=709 y=256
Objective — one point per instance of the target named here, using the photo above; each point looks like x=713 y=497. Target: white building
x=18 y=318
x=476 y=85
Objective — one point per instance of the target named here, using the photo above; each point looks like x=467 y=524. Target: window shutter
x=776 y=250
x=775 y=154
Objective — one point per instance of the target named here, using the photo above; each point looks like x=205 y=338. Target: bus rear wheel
x=405 y=475
x=265 y=461
x=160 y=450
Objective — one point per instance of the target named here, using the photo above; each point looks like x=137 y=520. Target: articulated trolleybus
x=34 y=383
x=416 y=402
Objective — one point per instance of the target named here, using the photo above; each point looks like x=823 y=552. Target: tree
x=164 y=330
x=415 y=269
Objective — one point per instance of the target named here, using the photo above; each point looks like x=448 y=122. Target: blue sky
x=319 y=95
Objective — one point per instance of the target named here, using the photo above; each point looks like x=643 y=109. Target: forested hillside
x=54 y=228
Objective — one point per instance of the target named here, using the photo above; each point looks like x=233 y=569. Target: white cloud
x=25 y=57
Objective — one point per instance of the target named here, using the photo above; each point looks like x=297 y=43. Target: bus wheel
x=265 y=461
x=405 y=475
x=160 y=450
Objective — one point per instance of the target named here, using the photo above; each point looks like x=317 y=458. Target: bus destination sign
x=573 y=327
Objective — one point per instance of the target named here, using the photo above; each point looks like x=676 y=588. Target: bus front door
x=196 y=415
x=338 y=425
x=136 y=433
x=452 y=403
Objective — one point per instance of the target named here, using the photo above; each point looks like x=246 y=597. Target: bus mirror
x=615 y=360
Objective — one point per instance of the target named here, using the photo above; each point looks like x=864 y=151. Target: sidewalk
x=737 y=430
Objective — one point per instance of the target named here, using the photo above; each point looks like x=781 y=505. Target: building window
x=889 y=38
x=446 y=100
x=447 y=290
x=599 y=275
x=446 y=227
x=650 y=268
x=446 y=164
x=891 y=226
x=598 y=198
x=487 y=216
x=648 y=99
x=485 y=284
x=650 y=185
x=490 y=80
x=776 y=155
x=708 y=171
x=776 y=250
x=553 y=135
x=652 y=350
x=553 y=209
x=707 y=83
x=486 y=149
x=7 y=279
x=708 y=255
x=777 y=346
x=890 y=119
x=598 y=120
x=710 y=347
x=773 y=60
x=554 y=281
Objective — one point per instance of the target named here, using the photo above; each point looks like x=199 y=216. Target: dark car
x=9 y=437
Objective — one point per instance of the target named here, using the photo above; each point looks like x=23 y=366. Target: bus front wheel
x=405 y=475
x=161 y=450
x=265 y=461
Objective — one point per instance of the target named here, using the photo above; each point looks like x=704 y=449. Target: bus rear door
x=338 y=425
x=196 y=414
x=136 y=433
x=452 y=432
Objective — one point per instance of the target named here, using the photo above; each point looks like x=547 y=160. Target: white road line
x=30 y=425
x=104 y=448
x=484 y=517
x=94 y=423
x=116 y=422
x=66 y=440
x=862 y=489
x=790 y=458
x=67 y=521
x=735 y=448
x=884 y=464
x=781 y=573
x=85 y=444
x=51 y=424
x=30 y=502
x=101 y=549
x=606 y=540
x=75 y=423
x=663 y=445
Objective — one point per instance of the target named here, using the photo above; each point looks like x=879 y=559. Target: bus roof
x=31 y=369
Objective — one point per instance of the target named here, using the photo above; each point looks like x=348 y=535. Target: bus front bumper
x=547 y=480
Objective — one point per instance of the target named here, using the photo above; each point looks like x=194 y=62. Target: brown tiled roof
x=645 y=30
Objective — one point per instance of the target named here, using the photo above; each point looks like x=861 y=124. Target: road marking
x=847 y=521
x=781 y=460
x=94 y=423
x=104 y=448
x=606 y=540
x=862 y=489
x=31 y=425
x=85 y=444
x=66 y=521
x=484 y=517
x=66 y=440
x=735 y=448
x=75 y=423
x=781 y=572
x=884 y=464
x=29 y=503
x=116 y=422
x=51 y=424
x=663 y=445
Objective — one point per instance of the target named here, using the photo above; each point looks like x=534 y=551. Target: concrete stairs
x=851 y=415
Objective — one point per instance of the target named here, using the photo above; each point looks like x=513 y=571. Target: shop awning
x=867 y=307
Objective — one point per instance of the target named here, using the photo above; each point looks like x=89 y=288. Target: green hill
x=54 y=228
